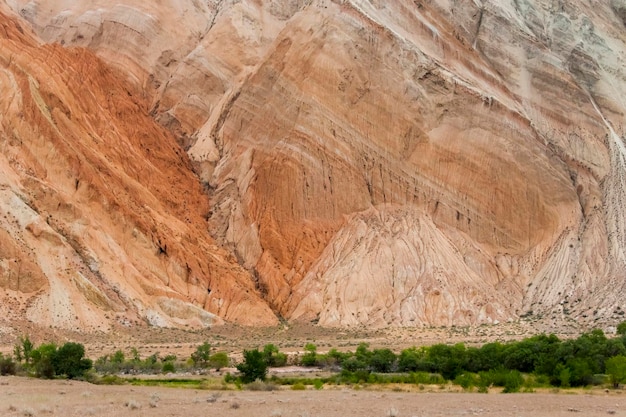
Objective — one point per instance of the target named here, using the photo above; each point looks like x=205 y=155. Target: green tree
x=412 y=360
x=334 y=357
x=23 y=350
x=219 y=360
x=362 y=352
x=135 y=354
x=382 y=360
x=118 y=357
x=273 y=356
x=253 y=366
x=168 y=367
x=621 y=328
x=70 y=360
x=562 y=376
x=310 y=356
x=449 y=361
x=616 y=368
x=42 y=360
x=202 y=355
x=353 y=364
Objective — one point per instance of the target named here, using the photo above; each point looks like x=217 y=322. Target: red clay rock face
x=367 y=163
x=102 y=217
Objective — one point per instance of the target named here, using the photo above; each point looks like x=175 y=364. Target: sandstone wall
x=385 y=163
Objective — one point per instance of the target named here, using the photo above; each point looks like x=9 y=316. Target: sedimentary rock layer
x=388 y=163
x=101 y=216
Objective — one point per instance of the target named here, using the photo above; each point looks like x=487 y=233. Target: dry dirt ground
x=289 y=338
x=31 y=397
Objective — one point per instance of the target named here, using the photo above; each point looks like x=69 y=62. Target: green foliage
x=489 y=356
x=616 y=369
x=259 y=385
x=310 y=356
x=168 y=367
x=467 y=380
x=23 y=350
x=447 y=360
x=219 y=360
x=426 y=378
x=118 y=357
x=42 y=360
x=253 y=366
x=273 y=356
x=511 y=380
x=382 y=360
x=135 y=355
x=111 y=380
x=353 y=364
x=412 y=359
x=333 y=358
x=298 y=386
x=621 y=328
x=117 y=363
x=201 y=356
x=69 y=360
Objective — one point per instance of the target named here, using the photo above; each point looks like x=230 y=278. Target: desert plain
x=32 y=397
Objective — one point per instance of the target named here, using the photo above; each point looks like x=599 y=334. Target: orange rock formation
x=101 y=215
x=371 y=163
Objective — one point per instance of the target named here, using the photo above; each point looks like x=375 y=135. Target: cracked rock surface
x=348 y=162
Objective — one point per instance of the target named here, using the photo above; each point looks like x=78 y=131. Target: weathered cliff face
x=101 y=216
x=389 y=163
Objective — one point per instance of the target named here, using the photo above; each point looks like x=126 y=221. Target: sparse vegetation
x=537 y=361
x=201 y=356
x=253 y=366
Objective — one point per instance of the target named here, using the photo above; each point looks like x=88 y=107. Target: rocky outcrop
x=389 y=163
x=101 y=216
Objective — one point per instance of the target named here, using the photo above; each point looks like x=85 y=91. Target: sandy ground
x=290 y=339
x=31 y=397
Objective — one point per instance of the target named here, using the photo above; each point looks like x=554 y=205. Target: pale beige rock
x=100 y=214
x=476 y=148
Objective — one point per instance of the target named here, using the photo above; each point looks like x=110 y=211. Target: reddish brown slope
x=392 y=163
x=101 y=215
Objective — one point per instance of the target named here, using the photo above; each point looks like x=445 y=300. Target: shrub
x=70 y=360
x=253 y=367
x=382 y=360
x=310 y=357
x=514 y=380
x=168 y=367
x=353 y=364
x=111 y=380
x=298 y=386
x=510 y=380
x=202 y=355
x=426 y=378
x=467 y=380
x=219 y=360
x=7 y=365
x=273 y=356
x=616 y=368
x=259 y=385
x=42 y=360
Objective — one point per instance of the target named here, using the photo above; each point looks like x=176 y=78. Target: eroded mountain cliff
x=101 y=216
x=362 y=162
